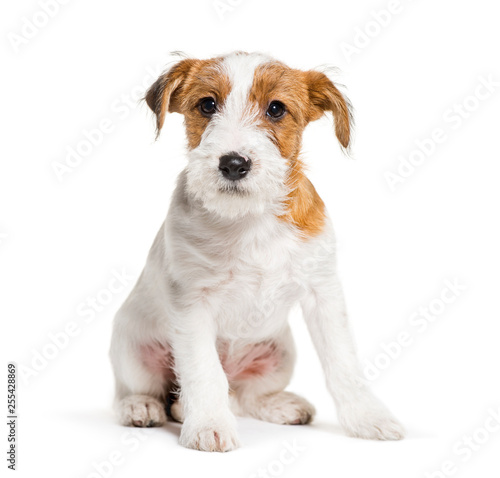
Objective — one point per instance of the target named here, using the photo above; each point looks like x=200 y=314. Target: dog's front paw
x=212 y=435
x=369 y=418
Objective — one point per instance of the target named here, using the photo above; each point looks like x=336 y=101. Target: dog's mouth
x=233 y=189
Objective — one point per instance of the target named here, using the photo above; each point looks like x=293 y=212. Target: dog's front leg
x=360 y=412
x=209 y=425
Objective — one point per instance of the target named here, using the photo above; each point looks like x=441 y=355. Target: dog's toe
x=283 y=408
x=369 y=418
x=214 y=435
x=142 y=411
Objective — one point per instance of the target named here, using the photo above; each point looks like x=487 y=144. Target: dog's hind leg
x=141 y=411
x=259 y=388
x=143 y=378
x=257 y=378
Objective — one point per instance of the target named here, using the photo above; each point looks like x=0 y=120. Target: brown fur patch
x=305 y=209
x=180 y=90
x=324 y=96
x=207 y=80
x=161 y=96
x=306 y=96
x=277 y=82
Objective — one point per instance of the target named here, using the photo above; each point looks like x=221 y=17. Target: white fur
x=234 y=129
x=223 y=267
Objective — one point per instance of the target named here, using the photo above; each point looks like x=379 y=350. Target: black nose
x=233 y=166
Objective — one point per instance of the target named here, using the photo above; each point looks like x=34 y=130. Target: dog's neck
x=302 y=209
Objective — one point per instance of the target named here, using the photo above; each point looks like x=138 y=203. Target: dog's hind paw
x=141 y=411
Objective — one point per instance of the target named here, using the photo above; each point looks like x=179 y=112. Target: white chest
x=249 y=281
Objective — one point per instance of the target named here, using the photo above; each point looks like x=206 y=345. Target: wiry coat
x=207 y=319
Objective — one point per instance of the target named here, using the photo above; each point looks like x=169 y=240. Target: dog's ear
x=163 y=94
x=324 y=96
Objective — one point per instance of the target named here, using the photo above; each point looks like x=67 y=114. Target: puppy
x=246 y=238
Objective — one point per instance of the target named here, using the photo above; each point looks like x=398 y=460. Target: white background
x=62 y=239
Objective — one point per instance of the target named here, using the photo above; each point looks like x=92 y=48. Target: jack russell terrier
x=246 y=237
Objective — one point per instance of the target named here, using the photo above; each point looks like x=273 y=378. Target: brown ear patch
x=304 y=208
x=325 y=96
x=180 y=90
x=162 y=95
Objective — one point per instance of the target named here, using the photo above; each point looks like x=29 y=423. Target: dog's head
x=244 y=116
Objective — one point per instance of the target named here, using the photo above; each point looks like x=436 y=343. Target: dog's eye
x=276 y=109
x=207 y=106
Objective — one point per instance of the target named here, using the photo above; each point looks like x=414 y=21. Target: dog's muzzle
x=234 y=167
